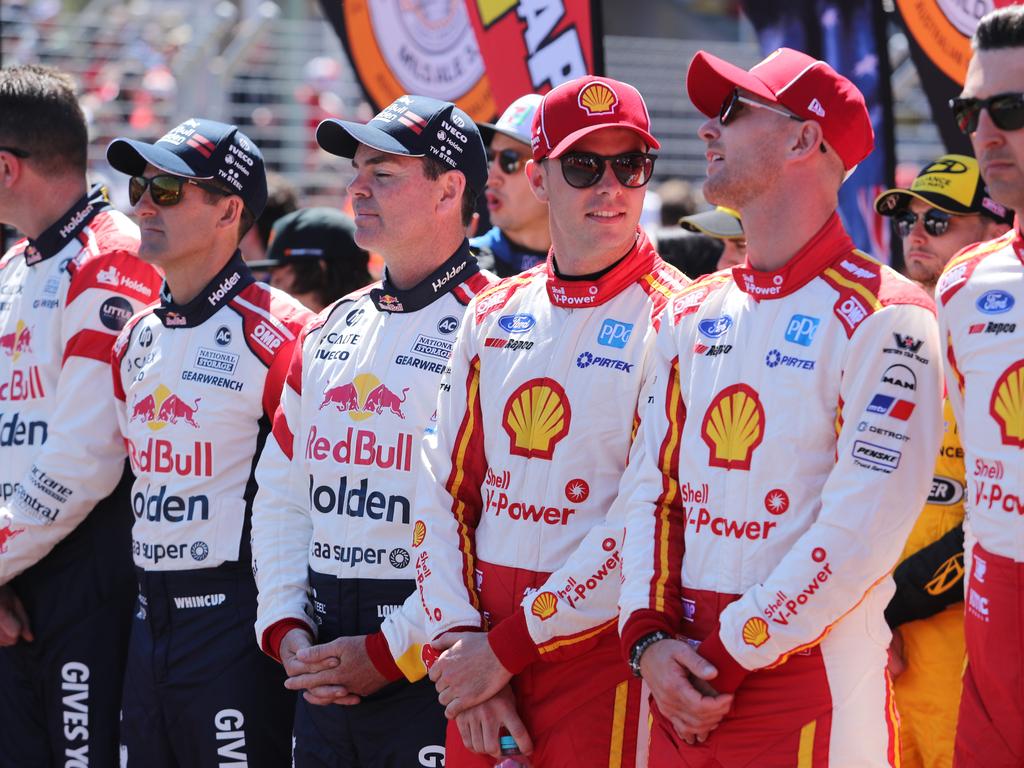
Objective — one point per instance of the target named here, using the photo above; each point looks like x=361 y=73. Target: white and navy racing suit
x=332 y=523
x=63 y=298
x=981 y=294
x=198 y=385
x=775 y=477
x=512 y=532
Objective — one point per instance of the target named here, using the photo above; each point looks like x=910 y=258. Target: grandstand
x=143 y=66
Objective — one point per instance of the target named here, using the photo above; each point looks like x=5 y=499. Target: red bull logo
x=162 y=407
x=15 y=343
x=363 y=397
x=6 y=534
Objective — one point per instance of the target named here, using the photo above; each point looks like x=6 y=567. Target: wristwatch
x=642 y=645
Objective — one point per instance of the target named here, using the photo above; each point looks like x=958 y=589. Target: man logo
x=900 y=376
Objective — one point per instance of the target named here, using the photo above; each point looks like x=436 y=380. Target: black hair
x=40 y=115
x=1002 y=28
x=330 y=279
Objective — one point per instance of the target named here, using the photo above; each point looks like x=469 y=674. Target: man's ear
x=452 y=185
x=11 y=169
x=807 y=140
x=231 y=213
x=536 y=172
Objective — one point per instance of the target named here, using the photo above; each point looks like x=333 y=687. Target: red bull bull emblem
x=363 y=397
x=19 y=341
x=6 y=534
x=162 y=407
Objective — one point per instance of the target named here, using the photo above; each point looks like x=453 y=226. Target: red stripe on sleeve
x=94 y=345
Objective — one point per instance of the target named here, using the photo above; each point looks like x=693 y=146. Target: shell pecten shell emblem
x=419 y=532
x=733 y=427
x=536 y=418
x=1007 y=405
x=598 y=99
x=755 y=631
x=545 y=605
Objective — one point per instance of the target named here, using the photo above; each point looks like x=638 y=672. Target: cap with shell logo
x=597 y=98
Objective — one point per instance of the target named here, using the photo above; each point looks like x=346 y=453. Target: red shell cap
x=805 y=86
x=579 y=107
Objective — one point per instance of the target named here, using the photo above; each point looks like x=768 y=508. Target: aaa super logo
x=162 y=407
x=536 y=418
x=363 y=397
x=20 y=340
x=733 y=427
x=1007 y=405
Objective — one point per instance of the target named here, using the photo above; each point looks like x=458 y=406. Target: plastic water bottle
x=511 y=757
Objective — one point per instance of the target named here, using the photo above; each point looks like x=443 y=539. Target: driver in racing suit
x=517 y=564
x=65 y=292
x=772 y=485
x=199 y=378
x=332 y=525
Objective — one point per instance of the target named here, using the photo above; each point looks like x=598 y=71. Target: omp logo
x=1007 y=405
x=536 y=418
x=544 y=606
x=755 y=631
x=733 y=427
x=162 y=407
x=18 y=341
x=598 y=99
x=363 y=397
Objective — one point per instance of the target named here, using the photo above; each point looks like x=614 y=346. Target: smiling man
x=781 y=472
x=980 y=299
x=517 y=562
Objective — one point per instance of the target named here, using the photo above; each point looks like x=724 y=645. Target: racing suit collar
x=227 y=284
x=66 y=228
x=459 y=266
x=577 y=294
x=817 y=253
x=1018 y=238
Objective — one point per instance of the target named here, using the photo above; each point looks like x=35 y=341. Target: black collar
x=228 y=283
x=460 y=266
x=66 y=228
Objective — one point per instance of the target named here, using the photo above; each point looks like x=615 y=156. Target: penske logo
x=536 y=418
x=733 y=427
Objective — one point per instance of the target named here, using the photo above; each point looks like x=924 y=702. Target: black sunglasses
x=164 y=189
x=734 y=103
x=16 y=152
x=936 y=222
x=509 y=160
x=1005 y=109
x=585 y=169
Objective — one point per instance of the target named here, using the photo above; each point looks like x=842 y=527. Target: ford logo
x=715 y=327
x=995 y=302
x=519 y=323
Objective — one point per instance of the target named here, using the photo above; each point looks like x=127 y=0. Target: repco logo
x=228 y=724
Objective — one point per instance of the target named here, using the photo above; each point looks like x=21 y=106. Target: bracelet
x=642 y=645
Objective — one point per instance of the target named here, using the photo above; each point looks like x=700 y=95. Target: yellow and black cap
x=953 y=184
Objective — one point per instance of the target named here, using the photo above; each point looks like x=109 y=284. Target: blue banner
x=850 y=36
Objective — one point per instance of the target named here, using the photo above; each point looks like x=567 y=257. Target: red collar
x=576 y=294
x=820 y=251
x=1018 y=238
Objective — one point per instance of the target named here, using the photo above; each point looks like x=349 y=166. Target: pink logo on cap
x=598 y=99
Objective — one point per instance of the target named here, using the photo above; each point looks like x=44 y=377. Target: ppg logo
x=614 y=333
x=432 y=756
x=801 y=329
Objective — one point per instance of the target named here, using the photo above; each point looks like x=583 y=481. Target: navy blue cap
x=200 y=149
x=416 y=126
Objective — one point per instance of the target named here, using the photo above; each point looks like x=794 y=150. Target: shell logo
x=755 y=631
x=545 y=605
x=733 y=427
x=419 y=533
x=1007 y=405
x=536 y=418
x=598 y=99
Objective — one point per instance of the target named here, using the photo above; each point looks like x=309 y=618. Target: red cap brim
x=566 y=144
x=709 y=80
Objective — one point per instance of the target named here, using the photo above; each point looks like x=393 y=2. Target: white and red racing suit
x=63 y=298
x=980 y=297
x=197 y=385
x=512 y=535
x=788 y=448
x=332 y=523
